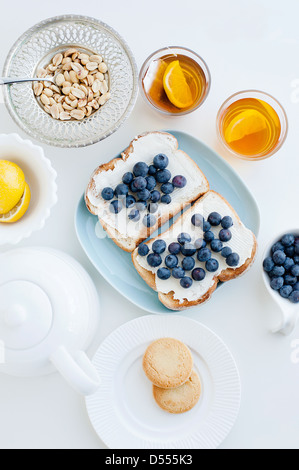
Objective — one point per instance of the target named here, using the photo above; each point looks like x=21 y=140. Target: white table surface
x=246 y=46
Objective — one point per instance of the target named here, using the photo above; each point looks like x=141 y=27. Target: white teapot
x=49 y=312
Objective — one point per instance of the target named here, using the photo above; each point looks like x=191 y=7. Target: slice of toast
x=243 y=242
x=126 y=233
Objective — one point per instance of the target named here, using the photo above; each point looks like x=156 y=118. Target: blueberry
x=184 y=238
x=166 y=199
x=149 y=220
x=132 y=188
x=188 y=263
x=186 y=282
x=276 y=283
x=174 y=248
x=143 y=249
x=167 y=188
x=129 y=201
x=288 y=240
x=178 y=273
x=153 y=207
x=144 y=195
x=171 y=261
x=295 y=270
x=277 y=246
x=163 y=273
x=163 y=176
x=290 y=280
x=216 y=245
x=294 y=297
x=277 y=271
x=286 y=291
x=214 y=219
x=139 y=183
x=226 y=251
x=197 y=220
x=159 y=246
x=297 y=246
x=296 y=286
x=279 y=257
x=204 y=255
x=154 y=260
x=227 y=222
x=198 y=274
x=225 y=235
x=290 y=251
x=188 y=249
x=121 y=190
x=200 y=243
x=155 y=196
x=179 y=181
x=161 y=161
x=212 y=265
x=152 y=170
x=233 y=260
x=288 y=264
x=134 y=215
x=141 y=205
x=128 y=178
x=296 y=259
x=151 y=183
x=115 y=207
x=140 y=169
x=209 y=236
x=206 y=226
x=107 y=194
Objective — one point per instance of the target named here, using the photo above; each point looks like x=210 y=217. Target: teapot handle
x=287 y=323
x=77 y=369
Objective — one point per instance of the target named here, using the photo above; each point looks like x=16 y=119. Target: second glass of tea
x=175 y=80
x=252 y=125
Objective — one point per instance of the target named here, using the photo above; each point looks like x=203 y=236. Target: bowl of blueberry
x=281 y=276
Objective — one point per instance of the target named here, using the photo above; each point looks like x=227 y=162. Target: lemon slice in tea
x=246 y=123
x=176 y=86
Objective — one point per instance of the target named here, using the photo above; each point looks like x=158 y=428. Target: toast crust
x=229 y=274
x=129 y=244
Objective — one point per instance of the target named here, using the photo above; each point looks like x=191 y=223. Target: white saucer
x=124 y=412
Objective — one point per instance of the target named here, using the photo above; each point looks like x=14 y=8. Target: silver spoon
x=10 y=81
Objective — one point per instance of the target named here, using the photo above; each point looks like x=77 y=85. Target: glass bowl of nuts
x=92 y=82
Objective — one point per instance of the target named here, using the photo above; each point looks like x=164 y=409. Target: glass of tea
x=252 y=125
x=175 y=81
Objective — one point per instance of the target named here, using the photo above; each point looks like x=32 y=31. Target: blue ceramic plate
x=116 y=266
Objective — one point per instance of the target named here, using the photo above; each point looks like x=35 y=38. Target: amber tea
x=252 y=127
x=175 y=83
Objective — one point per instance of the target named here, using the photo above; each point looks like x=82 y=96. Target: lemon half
x=19 y=209
x=12 y=185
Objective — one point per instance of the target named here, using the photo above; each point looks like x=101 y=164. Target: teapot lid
x=25 y=314
x=47 y=301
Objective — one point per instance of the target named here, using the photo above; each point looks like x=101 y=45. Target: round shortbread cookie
x=181 y=399
x=167 y=363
